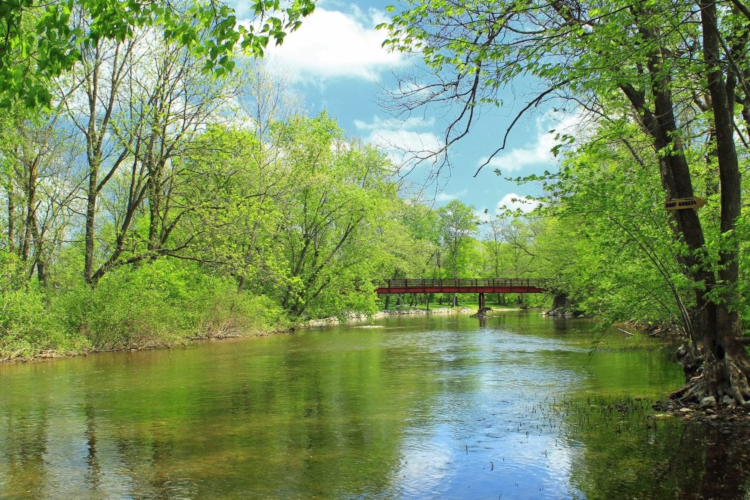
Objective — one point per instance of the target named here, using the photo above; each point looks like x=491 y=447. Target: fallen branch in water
x=625 y=332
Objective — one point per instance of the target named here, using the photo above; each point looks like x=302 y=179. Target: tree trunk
x=11 y=217
x=30 y=209
x=154 y=206
x=726 y=368
x=559 y=301
x=41 y=262
x=154 y=202
x=88 y=265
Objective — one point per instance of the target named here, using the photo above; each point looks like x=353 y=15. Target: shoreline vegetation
x=222 y=323
x=160 y=304
x=232 y=317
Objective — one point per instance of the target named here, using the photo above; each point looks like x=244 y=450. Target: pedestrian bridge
x=463 y=285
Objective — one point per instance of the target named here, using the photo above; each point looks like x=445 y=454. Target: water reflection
x=422 y=408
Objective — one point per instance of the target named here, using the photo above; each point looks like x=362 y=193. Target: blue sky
x=336 y=62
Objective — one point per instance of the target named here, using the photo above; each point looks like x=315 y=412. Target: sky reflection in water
x=422 y=408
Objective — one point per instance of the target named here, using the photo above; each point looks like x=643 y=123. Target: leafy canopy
x=40 y=40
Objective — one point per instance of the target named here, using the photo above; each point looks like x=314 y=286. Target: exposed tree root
x=727 y=380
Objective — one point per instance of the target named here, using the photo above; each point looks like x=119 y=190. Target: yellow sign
x=684 y=203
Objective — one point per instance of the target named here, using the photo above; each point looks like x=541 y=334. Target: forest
x=159 y=185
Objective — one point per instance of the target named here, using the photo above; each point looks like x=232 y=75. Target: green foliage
x=604 y=237
x=325 y=222
x=743 y=235
x=27 y=326
x=154 y=304
x=196 y=231
x=299 y=217
x=12 y=271
x=458 y=224
x=163 y=302
x=653 y=82
x=42 y=41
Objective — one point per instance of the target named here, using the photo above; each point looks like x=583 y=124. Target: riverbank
x=140 y=310
x=440 y=311
x=218 y=327
x=147 y=345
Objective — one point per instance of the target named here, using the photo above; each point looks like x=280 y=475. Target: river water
x=517 y=406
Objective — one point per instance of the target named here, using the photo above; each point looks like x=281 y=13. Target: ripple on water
x=424 y=408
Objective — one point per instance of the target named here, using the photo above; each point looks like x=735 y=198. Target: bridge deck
x=479 y=285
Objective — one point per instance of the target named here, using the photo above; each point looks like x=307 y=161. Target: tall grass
x=154 y=304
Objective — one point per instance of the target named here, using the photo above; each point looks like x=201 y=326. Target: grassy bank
x=157 y=304
x=153 y=304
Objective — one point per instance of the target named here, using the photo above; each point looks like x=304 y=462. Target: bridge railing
x=464 y=282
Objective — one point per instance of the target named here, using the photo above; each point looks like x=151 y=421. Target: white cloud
x=450 y=197
x=483 y=215
x=516 y=159
x=333 y=44
x=407 y=141
x=403 y=141
x=393 y=124
x=513 y=201
x=538 y=152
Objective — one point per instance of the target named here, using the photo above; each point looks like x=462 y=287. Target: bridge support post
x=481 y=301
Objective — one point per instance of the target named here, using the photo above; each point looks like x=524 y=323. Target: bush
x=164 y=302
x=225 y=313
x=155 y=303
x=29 y=326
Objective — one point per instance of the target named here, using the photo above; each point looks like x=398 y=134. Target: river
x=443 y=407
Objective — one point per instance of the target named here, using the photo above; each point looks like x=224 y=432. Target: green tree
x=137 y=107
x=234 y=192
x=41 y=187
x=328 y=224
x=493 y=241
x=674 y=69
x=618 y=232
x=41 y=41
x=411 y=243
x=458 y=225
x=234 y=179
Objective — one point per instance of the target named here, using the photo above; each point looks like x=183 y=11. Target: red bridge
x=481 y=286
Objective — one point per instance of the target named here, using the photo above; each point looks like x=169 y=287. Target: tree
x=674 y=69
x=41 y=186
x=41 y=41
x=233 y=191
x=137 y=107
x=327 y=232
x=603 y=237
x=494 y=239
x=90 y=98
x=411 y=243
x=458 y=225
